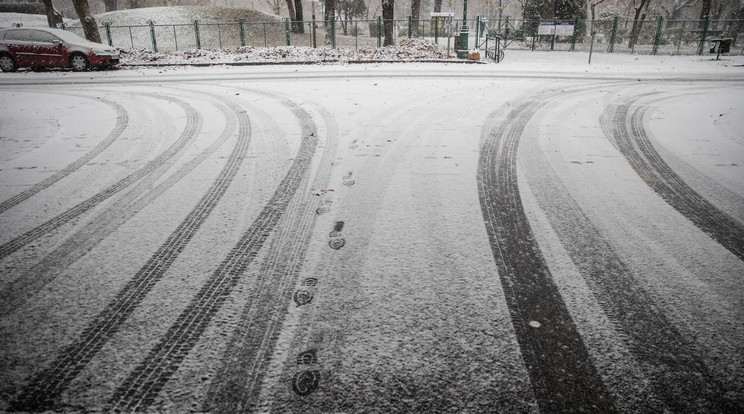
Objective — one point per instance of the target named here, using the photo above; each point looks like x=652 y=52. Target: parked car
x=43 y=47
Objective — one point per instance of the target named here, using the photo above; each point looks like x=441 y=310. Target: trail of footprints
x=306 y=379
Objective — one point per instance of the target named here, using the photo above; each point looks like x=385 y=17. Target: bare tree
x=330 y=11
x=299 y=17
x=54 y=17
x=110 y=5
x=276 y=6
x=640 y=15
x=87 y=20
x=290 y=10
x=674 y=9
x=388 y=11
x=415 y=15
x=705 y=10
x=592 y=6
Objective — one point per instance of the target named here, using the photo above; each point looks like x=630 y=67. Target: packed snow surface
x=392 y=237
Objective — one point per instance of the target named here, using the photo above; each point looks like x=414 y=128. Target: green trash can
x=726 y=45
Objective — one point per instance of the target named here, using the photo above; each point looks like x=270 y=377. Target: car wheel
x=7 y=64
x=79 y=62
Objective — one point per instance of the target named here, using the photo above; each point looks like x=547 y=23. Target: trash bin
x=726 y=45
x=715 y=44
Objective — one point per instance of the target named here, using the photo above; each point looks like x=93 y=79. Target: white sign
x=564 y=29
x=556 y=29
x=546 y=29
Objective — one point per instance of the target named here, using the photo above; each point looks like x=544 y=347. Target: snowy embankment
x=407 y=50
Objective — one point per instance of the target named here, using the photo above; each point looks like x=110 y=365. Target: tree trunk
x=388 y=8
x=705 y=10
x=299 y=17
x=415 y=16
x=87 y=20
x=636 y=29
x=110 y=5
x=54 y=17
x=593 y=5
x=330 y=12
x=292 y=15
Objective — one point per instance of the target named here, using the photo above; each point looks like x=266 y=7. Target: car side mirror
x=57 y=42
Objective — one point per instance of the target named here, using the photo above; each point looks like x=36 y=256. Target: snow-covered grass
x=182 y=14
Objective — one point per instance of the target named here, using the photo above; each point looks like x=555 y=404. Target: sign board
x=546 y=29
x=555 y=29
x=564 y=28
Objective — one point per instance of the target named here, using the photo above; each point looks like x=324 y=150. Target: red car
x=42 y=47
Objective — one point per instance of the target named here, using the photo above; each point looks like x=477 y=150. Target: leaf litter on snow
x=407 y=49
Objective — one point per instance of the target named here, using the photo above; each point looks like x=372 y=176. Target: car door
x=20 y=46
x=48 y=49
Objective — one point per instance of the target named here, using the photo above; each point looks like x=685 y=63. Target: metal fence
x=654 y=36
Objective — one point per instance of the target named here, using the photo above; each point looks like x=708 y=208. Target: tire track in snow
x=236 y=386
x=140 y=389
x=151 y=170
x=122 y=121
x=46 y=386
x=623 y=125
x=18 y=291
x=562 y=373
x=668 y=360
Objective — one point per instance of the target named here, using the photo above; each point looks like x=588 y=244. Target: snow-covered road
x=523 y=237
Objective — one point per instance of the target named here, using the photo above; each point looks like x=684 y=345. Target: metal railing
x=653 y=36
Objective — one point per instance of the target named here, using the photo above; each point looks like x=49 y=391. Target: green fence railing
x=613 y=35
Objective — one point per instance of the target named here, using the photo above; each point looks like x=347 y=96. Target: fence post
x=315 y=34
x=379 y=31
x=152 y=35
x=410 y=25
x=575 y=34
x=196 y=33
x=107 y=25
x=286 y=29
x=614 y=34
x=436 y=30
x=705 y=33
x=477 y=31
x=175 y=37
x=333 y=33
x=242 y=32
x=657 y=39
